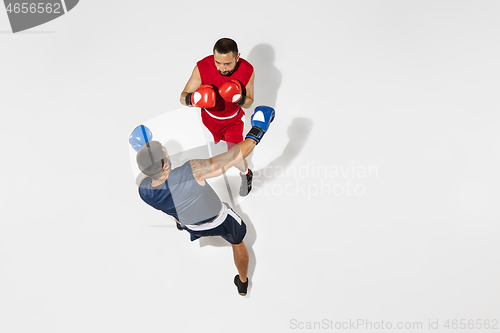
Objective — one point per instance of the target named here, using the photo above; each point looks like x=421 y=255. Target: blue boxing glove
x=139 y=136
x=262 y=117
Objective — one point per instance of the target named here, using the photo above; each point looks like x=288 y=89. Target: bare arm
x=217 y=165
x=193 y=83
x=249 y=92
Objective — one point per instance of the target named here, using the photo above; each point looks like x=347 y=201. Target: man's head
x=226 y=56
x=153 y=160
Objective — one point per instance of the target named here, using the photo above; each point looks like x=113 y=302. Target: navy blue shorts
x=233 y=229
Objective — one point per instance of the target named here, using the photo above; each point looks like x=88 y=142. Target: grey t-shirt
x=182 y=197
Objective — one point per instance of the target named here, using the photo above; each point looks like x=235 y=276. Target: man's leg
x=243 y=164
x=241 y=260
x=232 y=137
x=233 y=134
x=236 y=230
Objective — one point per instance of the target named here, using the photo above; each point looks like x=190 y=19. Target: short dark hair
x=226 y=45
x=151 y=158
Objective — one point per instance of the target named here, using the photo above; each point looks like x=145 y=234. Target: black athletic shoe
x=178 y=225
x=246 y=183
x=242 y=287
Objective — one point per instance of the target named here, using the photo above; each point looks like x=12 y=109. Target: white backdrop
x=377 y=196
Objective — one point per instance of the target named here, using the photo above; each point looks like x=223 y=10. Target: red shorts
x=229 y=130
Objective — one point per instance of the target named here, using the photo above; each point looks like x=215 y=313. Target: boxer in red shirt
x=222 y=85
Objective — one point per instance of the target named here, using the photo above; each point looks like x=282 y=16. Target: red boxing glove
x=203 y=97
x=231 y=91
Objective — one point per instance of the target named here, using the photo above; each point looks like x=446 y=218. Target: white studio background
x=398 y=98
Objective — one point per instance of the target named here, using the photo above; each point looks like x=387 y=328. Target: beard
x=229 y=73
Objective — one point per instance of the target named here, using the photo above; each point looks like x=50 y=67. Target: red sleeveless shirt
x=210 y=75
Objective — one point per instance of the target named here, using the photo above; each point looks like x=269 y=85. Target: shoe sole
x=242 y=294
